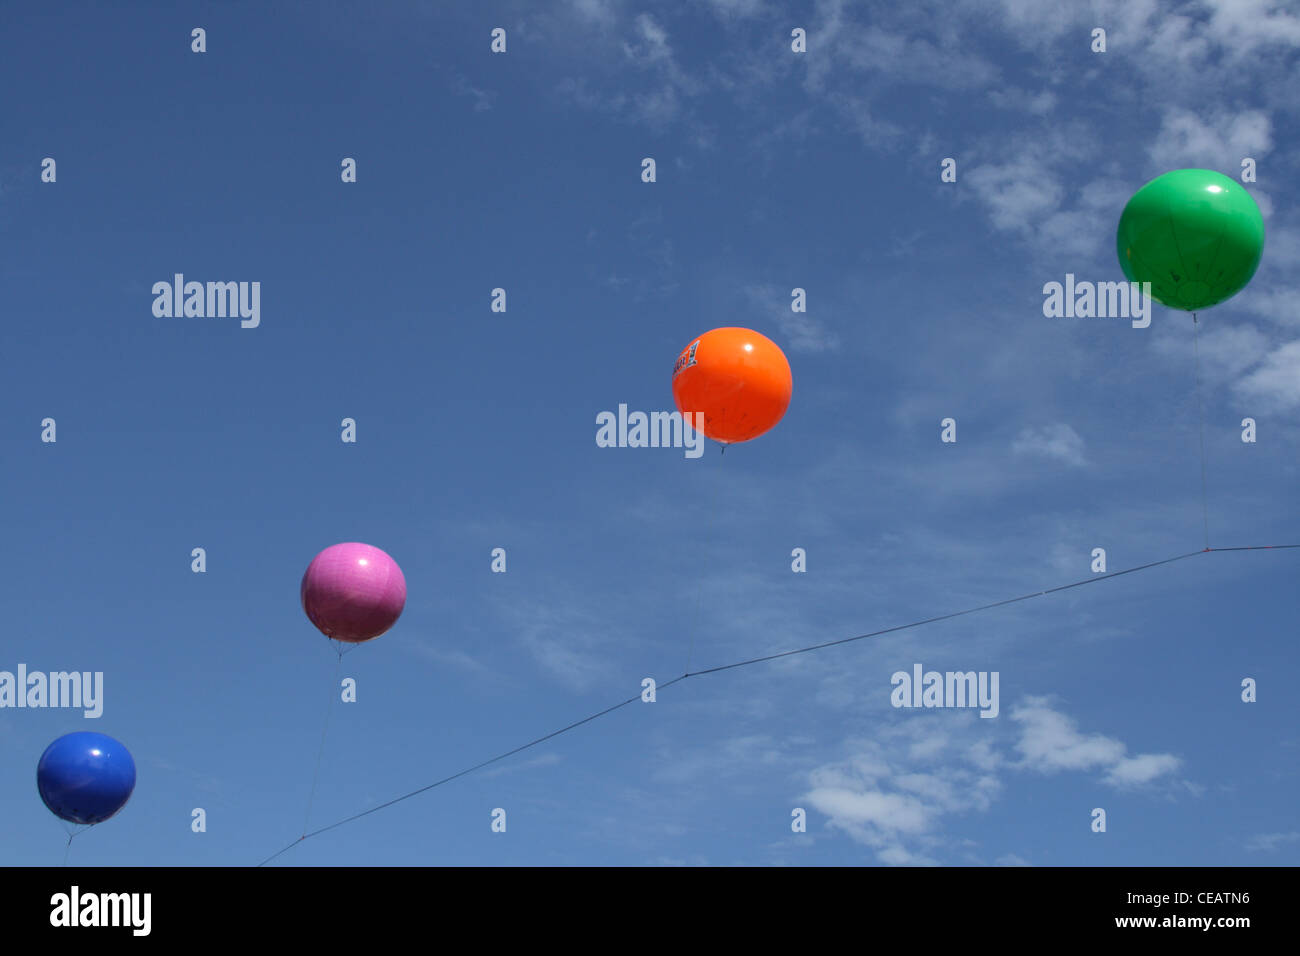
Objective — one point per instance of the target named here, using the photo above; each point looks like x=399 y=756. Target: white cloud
x=1243 y=26
x=654 y=42
x=737 y=9
x=1017 y=100
x=898 y=789
x=894 y=802
x=1281 y=305
x=1227 y=351
x=838 y=44
x=1282 y=246
x=803 y=332
x=1275 y=385
x=1234 y=28
x=713 y=761
x=841 y=50
x=1049 y=742
x=482 y=98
x=1174 y=60
x=1263 y=378
x=1058 y=441
x=1011 y=859
x=576 y=88
x=1017 y=194
x=855 y=809
x=1134 y=771
x=541 y=760
x=858 y=114
x=1271 y=841
x=1176 y=64
x=569 y=644
x=1219 y=141
x=656 y=96
x=599 y=12
x=443 y=656
x=895 y=813
x=1087 y=229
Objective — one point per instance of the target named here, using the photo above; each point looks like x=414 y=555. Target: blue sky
x=476 y=430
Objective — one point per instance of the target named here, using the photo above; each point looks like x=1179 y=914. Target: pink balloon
x=353 y=592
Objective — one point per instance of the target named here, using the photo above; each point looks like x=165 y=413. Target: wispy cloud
x=1135 y=771
x=482 y=98
x=894 y=791
x=1017 y=194
x=1218 y=140
x=573 y=644
x=657 y=87
x=1261 y=377
x=804 y=332
x=1057 y=442
x=738 y=9
x=897 y=792
x=599 y=12
x=541 y=760
x=443 y=656
x=1268 y=842
x=1050 y=742
x=1275 y=385
x=899 y=53
x=727 y=757
x=1017 y=100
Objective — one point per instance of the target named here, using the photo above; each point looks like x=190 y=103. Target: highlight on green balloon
x=1194 y=234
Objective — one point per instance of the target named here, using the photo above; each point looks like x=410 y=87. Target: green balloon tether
x=1194 y=234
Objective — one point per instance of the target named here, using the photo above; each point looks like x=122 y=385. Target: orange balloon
x=739 y=379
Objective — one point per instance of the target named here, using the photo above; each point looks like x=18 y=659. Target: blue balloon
x=85 y=777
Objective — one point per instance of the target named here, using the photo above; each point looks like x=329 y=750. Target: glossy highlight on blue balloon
x=85 y=777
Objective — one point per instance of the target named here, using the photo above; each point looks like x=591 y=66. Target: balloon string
x=329 y=709
x=708 y=538
x=68 y=850
x=1200 y=414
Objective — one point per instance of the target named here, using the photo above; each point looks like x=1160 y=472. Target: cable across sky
x=759 y=660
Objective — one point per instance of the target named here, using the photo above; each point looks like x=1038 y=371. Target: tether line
x=768 y=657
x=709 y=535
x=1200 y=418
x=329 y=709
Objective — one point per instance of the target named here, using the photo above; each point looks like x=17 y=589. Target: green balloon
x=1194 y=234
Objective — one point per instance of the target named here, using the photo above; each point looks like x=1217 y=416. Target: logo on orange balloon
x=738 y=379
